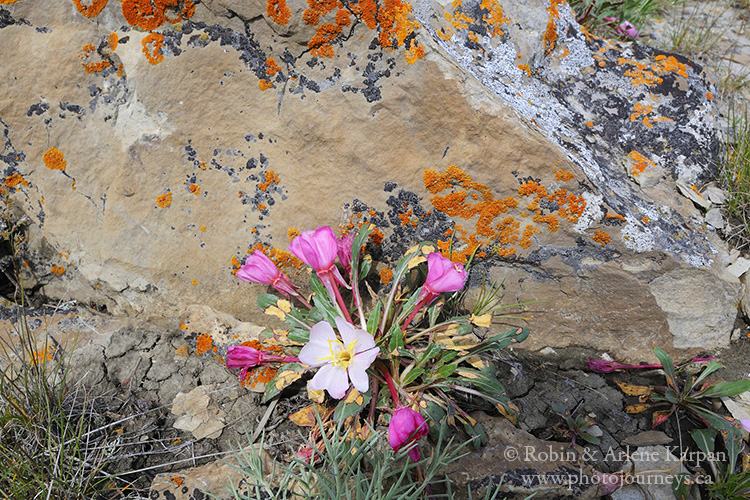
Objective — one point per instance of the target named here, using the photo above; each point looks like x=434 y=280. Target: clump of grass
x=597 y=15
x=694 y=32
x=351 y=468
x=735 y=173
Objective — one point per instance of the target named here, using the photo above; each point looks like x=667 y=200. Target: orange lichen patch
x=177 y=481
x=278 y=11
x=445 y=33
x=292 y=233
x=669 y=64
x=92 y=67
x=164 y=199
x=152 y=45
x=549 y=39
x=110 y=44
x=601 y=237
x=473 y=201
x=563 y=175
x=194 y=188
x=414 y=53
x=528 y=232
x=183 y=326
x=150 y=14
x=589 y=124
x=709 y=96
x=120 y=70
x=7 y=1
x=93 y=8
x=194 y=282
x=696 y=190
x=203 y=229
x=552 y=221
x=45 y=354
x=394 y=23
x=645 y=219
x=526 y=68
x=640 y=163
x=57 y=270
x=386 y=275
x=14 y=180
x=271 y=67
x=318 y=8
x=615 y=216
x=54 y=159
x=204 y=343
x=263 y=85
x=271 y=178
x=236 y=264
x=494 y=17
x=639 y=110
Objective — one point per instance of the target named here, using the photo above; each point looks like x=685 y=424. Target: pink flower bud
x=626 y=28
x=240 y=356
x=443 y=275
x=345 y=251
x=317 y=248
x=260 y=269
x=406 y=426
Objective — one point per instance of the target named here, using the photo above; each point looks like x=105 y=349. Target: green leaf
x=444 y=371
x=681 y=485
x=705 y=439
x=476 y=431
x=320 y=299
x=267 y=299
x=411 y=376
x=364 y=267
x=726 y=389
x=708 y=370
x=729 y=428
x=351 y=405
x=373 y=320
x=589 y=438
x=299 y=335
x=429 y=353
x=395 y=338
x=668 y=366
x=357 y=243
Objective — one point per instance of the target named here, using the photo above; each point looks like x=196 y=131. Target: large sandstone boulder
x=151 y=150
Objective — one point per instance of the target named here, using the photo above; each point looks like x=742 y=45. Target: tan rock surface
x=175 y=170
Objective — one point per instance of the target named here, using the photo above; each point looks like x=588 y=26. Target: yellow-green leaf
x=285 y=378
x=485 y=320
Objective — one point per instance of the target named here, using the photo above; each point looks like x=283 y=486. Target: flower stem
x=302 y=299
x=340 y=300
x=413 y=313
x=391 y=387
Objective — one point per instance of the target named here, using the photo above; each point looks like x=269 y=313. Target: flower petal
x=349 y=333
x=332 y=379
x=319 y=347
x=358 y=376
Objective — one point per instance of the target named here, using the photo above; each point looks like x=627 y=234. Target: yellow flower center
x=340 y=357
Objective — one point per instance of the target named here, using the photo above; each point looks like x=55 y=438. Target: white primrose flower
x=339 y=362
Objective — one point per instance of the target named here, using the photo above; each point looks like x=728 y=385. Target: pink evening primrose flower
x=318 y=249
x=240 y=356
x=406 y=426
x=443 y=275
x=745 y=423
x=340 y=361
x=260 y=269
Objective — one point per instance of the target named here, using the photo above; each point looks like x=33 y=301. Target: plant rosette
x=412 y=339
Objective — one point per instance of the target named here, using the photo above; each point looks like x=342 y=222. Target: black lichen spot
x=73 y=108
x=168 y=495
x=389 y=186
x=37 y=109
